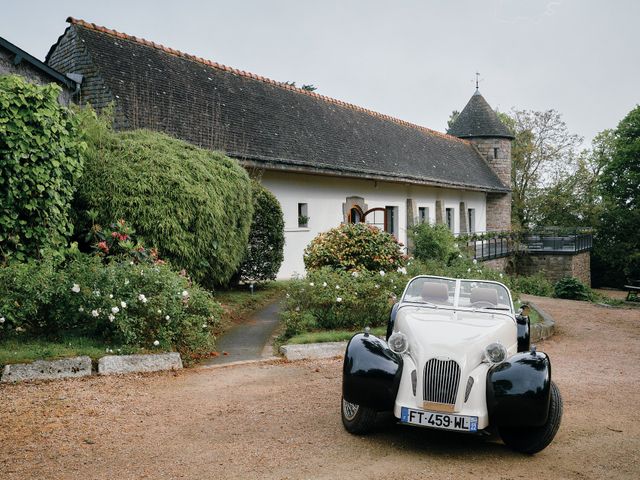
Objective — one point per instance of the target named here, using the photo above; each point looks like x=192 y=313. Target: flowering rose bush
x=355 y=247
x=125 y=303
x=118 y=242
x=328 y=299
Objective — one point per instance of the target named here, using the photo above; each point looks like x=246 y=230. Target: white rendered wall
x=326 y=195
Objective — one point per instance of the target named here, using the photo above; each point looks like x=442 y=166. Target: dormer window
x=495 y=152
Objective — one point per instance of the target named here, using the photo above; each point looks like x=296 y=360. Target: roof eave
x=292 y=166
x=43 y=67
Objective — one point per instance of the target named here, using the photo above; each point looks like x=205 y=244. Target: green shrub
x=139 y=305
x=433 y=242
x=329 y=299
x=188 y=202
x=356 y=246
x=572 y=288
x=266 y=238
x=533 y=285
x=40 y=161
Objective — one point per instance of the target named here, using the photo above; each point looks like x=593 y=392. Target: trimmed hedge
x=265 y=251
x=190 y=203
x=40 y=161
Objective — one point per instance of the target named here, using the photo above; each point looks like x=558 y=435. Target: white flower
x=355 y=274
x=96 y=293
x=167 y=317
x=337 y=287
x=126 y=281
x=382 y=274
x=81 y=309
x=297 y=309
x=402 y=270
x=123 y=304
x=475 y=261
x=94 y=313
x=142 y=298
x=75 y=288
x=1 y=320
x=500 y=275
x=111 y=295
x=159 y=311
x=459 y=255
x=468 y=270
x=185 y=294
x=115 y=310
x=339 y=299
x=311 y=284
x=324 y=284
x=111 y=318
x=377 y=286
x=288 y=295
x=156 y=343
x=204 y=325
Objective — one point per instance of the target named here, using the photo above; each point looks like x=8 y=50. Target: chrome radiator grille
x=441 y=380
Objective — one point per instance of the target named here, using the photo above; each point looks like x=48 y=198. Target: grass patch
x=23 y=350
x=331 y=336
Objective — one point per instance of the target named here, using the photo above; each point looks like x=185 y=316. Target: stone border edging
x=47 y=369
x=74 y=367
x=155 y=362
x=312 y=351
x=544 y=329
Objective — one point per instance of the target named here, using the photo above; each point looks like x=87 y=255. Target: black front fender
x=518 y=390
x=371 y=373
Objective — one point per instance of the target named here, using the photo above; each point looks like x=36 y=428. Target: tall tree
x=618 y=243
x=543 y=149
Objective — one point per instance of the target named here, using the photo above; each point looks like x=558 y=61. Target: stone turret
x=479 y=124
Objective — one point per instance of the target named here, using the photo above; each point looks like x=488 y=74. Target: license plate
x=444 y=421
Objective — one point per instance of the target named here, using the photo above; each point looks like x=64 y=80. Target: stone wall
x=499 y=264
x=554 y=267
x=497 y=153
x=28 y=71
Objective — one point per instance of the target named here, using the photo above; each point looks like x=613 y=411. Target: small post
x=251 y=287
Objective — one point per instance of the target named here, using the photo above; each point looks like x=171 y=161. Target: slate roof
x=478 y=119
x=271 y=124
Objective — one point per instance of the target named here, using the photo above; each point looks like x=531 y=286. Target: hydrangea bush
x=356 y=246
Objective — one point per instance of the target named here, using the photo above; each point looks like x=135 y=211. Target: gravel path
x=281 y=421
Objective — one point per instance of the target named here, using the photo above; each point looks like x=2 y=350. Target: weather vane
x=477 y=80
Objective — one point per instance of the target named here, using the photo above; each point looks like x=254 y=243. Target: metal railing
x=490 y=245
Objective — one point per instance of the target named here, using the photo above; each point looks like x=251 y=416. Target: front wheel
x=533 y=439
x=356 y=418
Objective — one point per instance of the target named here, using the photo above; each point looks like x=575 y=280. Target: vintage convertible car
x=457 y=357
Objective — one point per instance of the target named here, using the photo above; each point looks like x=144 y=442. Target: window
x=449 y=215
x=423 y=215
x=391 y=218
x=303 y=217
x=471 y=219
x=495 y=152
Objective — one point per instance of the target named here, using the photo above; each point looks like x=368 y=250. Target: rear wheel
x=533 y=439
x=356 y=418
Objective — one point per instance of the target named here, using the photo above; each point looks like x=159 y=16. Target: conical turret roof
x=478 y=119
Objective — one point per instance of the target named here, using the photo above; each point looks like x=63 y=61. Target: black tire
x=533 y=439
x=357 y=419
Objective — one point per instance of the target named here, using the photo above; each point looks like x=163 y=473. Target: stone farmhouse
x=327 y=161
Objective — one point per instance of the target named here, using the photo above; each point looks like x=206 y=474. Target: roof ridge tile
x=242 y=73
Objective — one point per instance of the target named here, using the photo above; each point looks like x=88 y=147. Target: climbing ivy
x=41 y=158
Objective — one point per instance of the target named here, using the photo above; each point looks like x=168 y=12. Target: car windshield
x=448 y=292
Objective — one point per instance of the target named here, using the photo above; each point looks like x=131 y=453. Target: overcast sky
x=412 y=59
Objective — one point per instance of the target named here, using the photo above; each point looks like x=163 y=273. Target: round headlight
x=495 y=353
x=398 y=342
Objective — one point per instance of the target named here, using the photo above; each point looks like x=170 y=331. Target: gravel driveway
x=281 y=421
